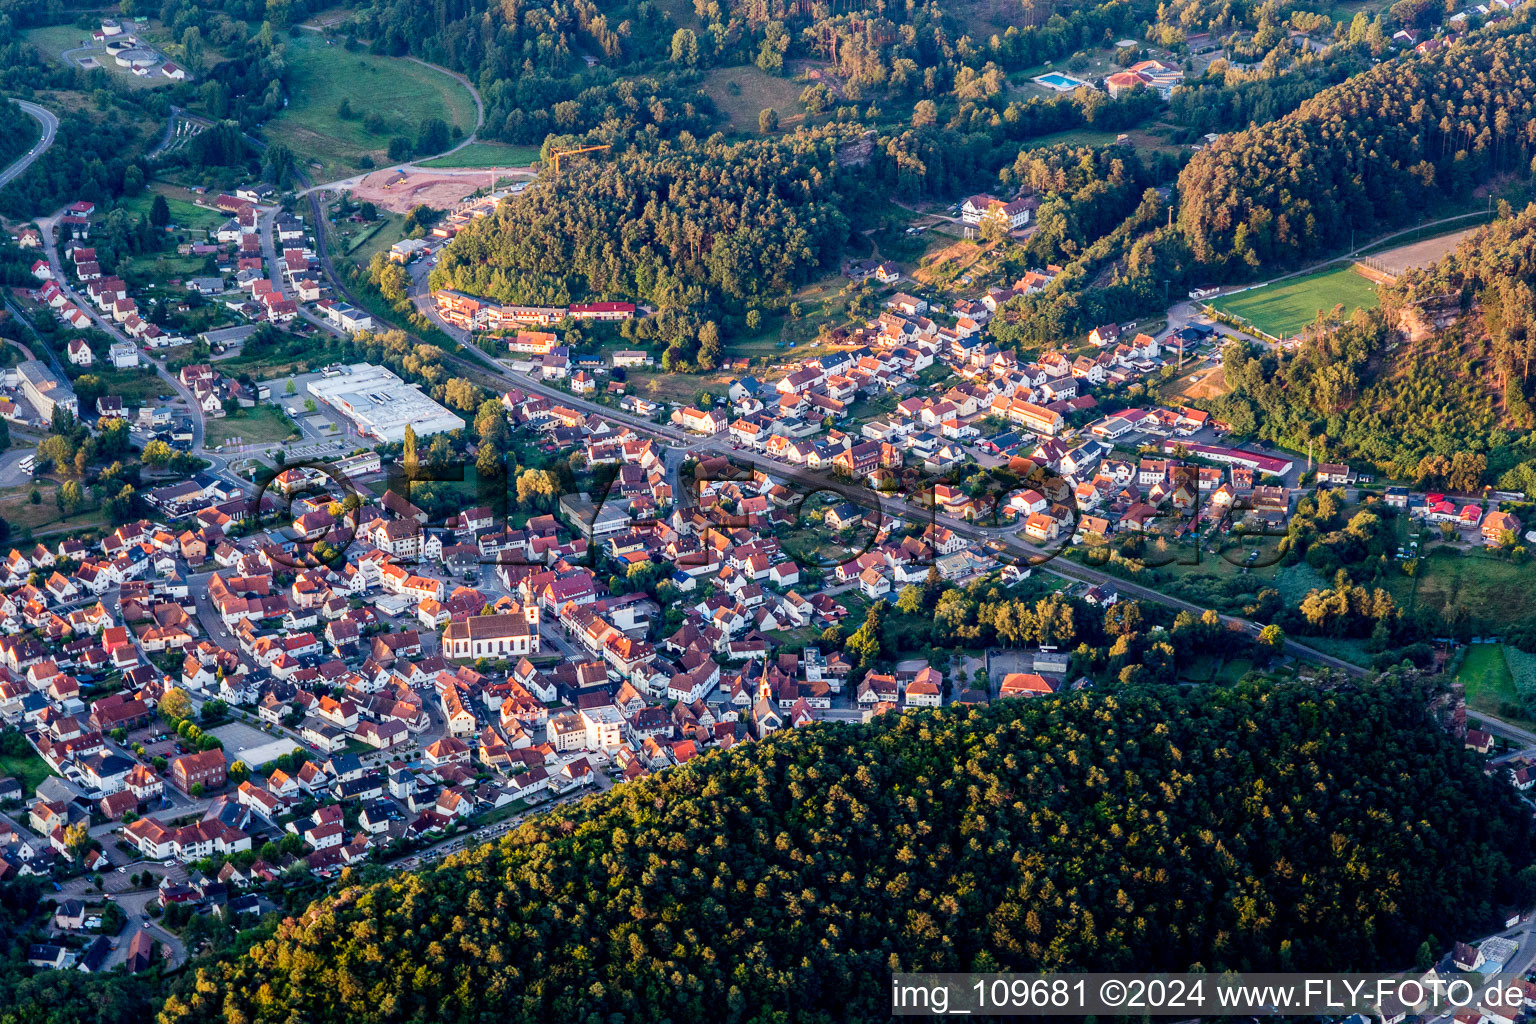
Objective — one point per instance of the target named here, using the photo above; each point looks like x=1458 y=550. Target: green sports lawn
x=401 y=92
x=1284 y=308
x=487 y=154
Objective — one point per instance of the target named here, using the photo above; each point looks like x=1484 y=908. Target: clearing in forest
x=743 y=92
x=387 y=97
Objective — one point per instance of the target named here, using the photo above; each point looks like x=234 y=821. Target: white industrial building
x=381 y=405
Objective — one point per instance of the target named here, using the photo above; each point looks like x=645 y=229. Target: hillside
x=1373 y=151
x=674 y=226
x=1486 y=286
x=1236 y=829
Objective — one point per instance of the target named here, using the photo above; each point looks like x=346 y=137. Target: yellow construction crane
x=557 y=154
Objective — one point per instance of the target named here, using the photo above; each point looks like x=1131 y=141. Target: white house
x=124 y=355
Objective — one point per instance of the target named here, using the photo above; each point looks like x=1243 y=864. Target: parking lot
x=247 y=743
x=318 y=425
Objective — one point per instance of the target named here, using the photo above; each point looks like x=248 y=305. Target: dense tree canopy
x=673 y=226
x=1369 y=152
x=1246 y=828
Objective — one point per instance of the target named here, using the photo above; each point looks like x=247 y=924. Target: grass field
x=1347 y=648
x=676 y=387
x=160 y=268
x=137 y=387
x=17 y=509
x=360 y=247
x=1076 y=137
x=1487 y=679
x=743 y=92
x=400 y=92
x=1210 y=669
x=1234 y=670
x=488 y=154
x=813 y=544
x=1493 y=592
x=265 y=424
x=956 y=260
x=28 y=769
x=1522 y=667
x=185 y=214
x=1283 y=309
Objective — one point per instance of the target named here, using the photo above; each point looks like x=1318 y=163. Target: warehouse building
x=380 y=405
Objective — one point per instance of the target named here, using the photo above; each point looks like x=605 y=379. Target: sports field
x=388 y=96
x=1282 y=309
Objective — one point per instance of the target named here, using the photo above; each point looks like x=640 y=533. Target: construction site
x=400 y=191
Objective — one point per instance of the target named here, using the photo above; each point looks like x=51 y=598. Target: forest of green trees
x=18 y=132
x=1156 y=829
x=671 y=225
x=1490 y=279
x=1361 y=390
x=1376 y=150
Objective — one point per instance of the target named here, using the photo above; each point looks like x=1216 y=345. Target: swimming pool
x=1060 y=82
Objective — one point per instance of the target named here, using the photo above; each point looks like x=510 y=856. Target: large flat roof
x=381 y=405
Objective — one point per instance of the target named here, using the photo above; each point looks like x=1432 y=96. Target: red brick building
x=116 y=711
x=209 y=768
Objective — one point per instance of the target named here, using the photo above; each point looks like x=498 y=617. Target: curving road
x=466 y=140
x=50 y=124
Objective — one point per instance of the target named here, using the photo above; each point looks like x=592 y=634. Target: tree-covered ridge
x=526 y=56
x=1491 y=273
x=1491 y=276
x=1495 y=270
x=1360 y=393
x=1373 y=151
x=673 y=226
x=1245 y=828
x=1101 y=218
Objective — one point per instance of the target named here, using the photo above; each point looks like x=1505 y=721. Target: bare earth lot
x=439 y=191
x=1419 y=254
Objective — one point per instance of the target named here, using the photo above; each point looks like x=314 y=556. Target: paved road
x=470 y=355
x=266 y=225
x=48 y=226
x=50 y=126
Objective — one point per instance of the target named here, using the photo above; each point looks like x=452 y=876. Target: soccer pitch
x=1283 y=309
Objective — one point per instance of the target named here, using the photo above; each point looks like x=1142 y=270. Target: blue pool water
x=1057 y=80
